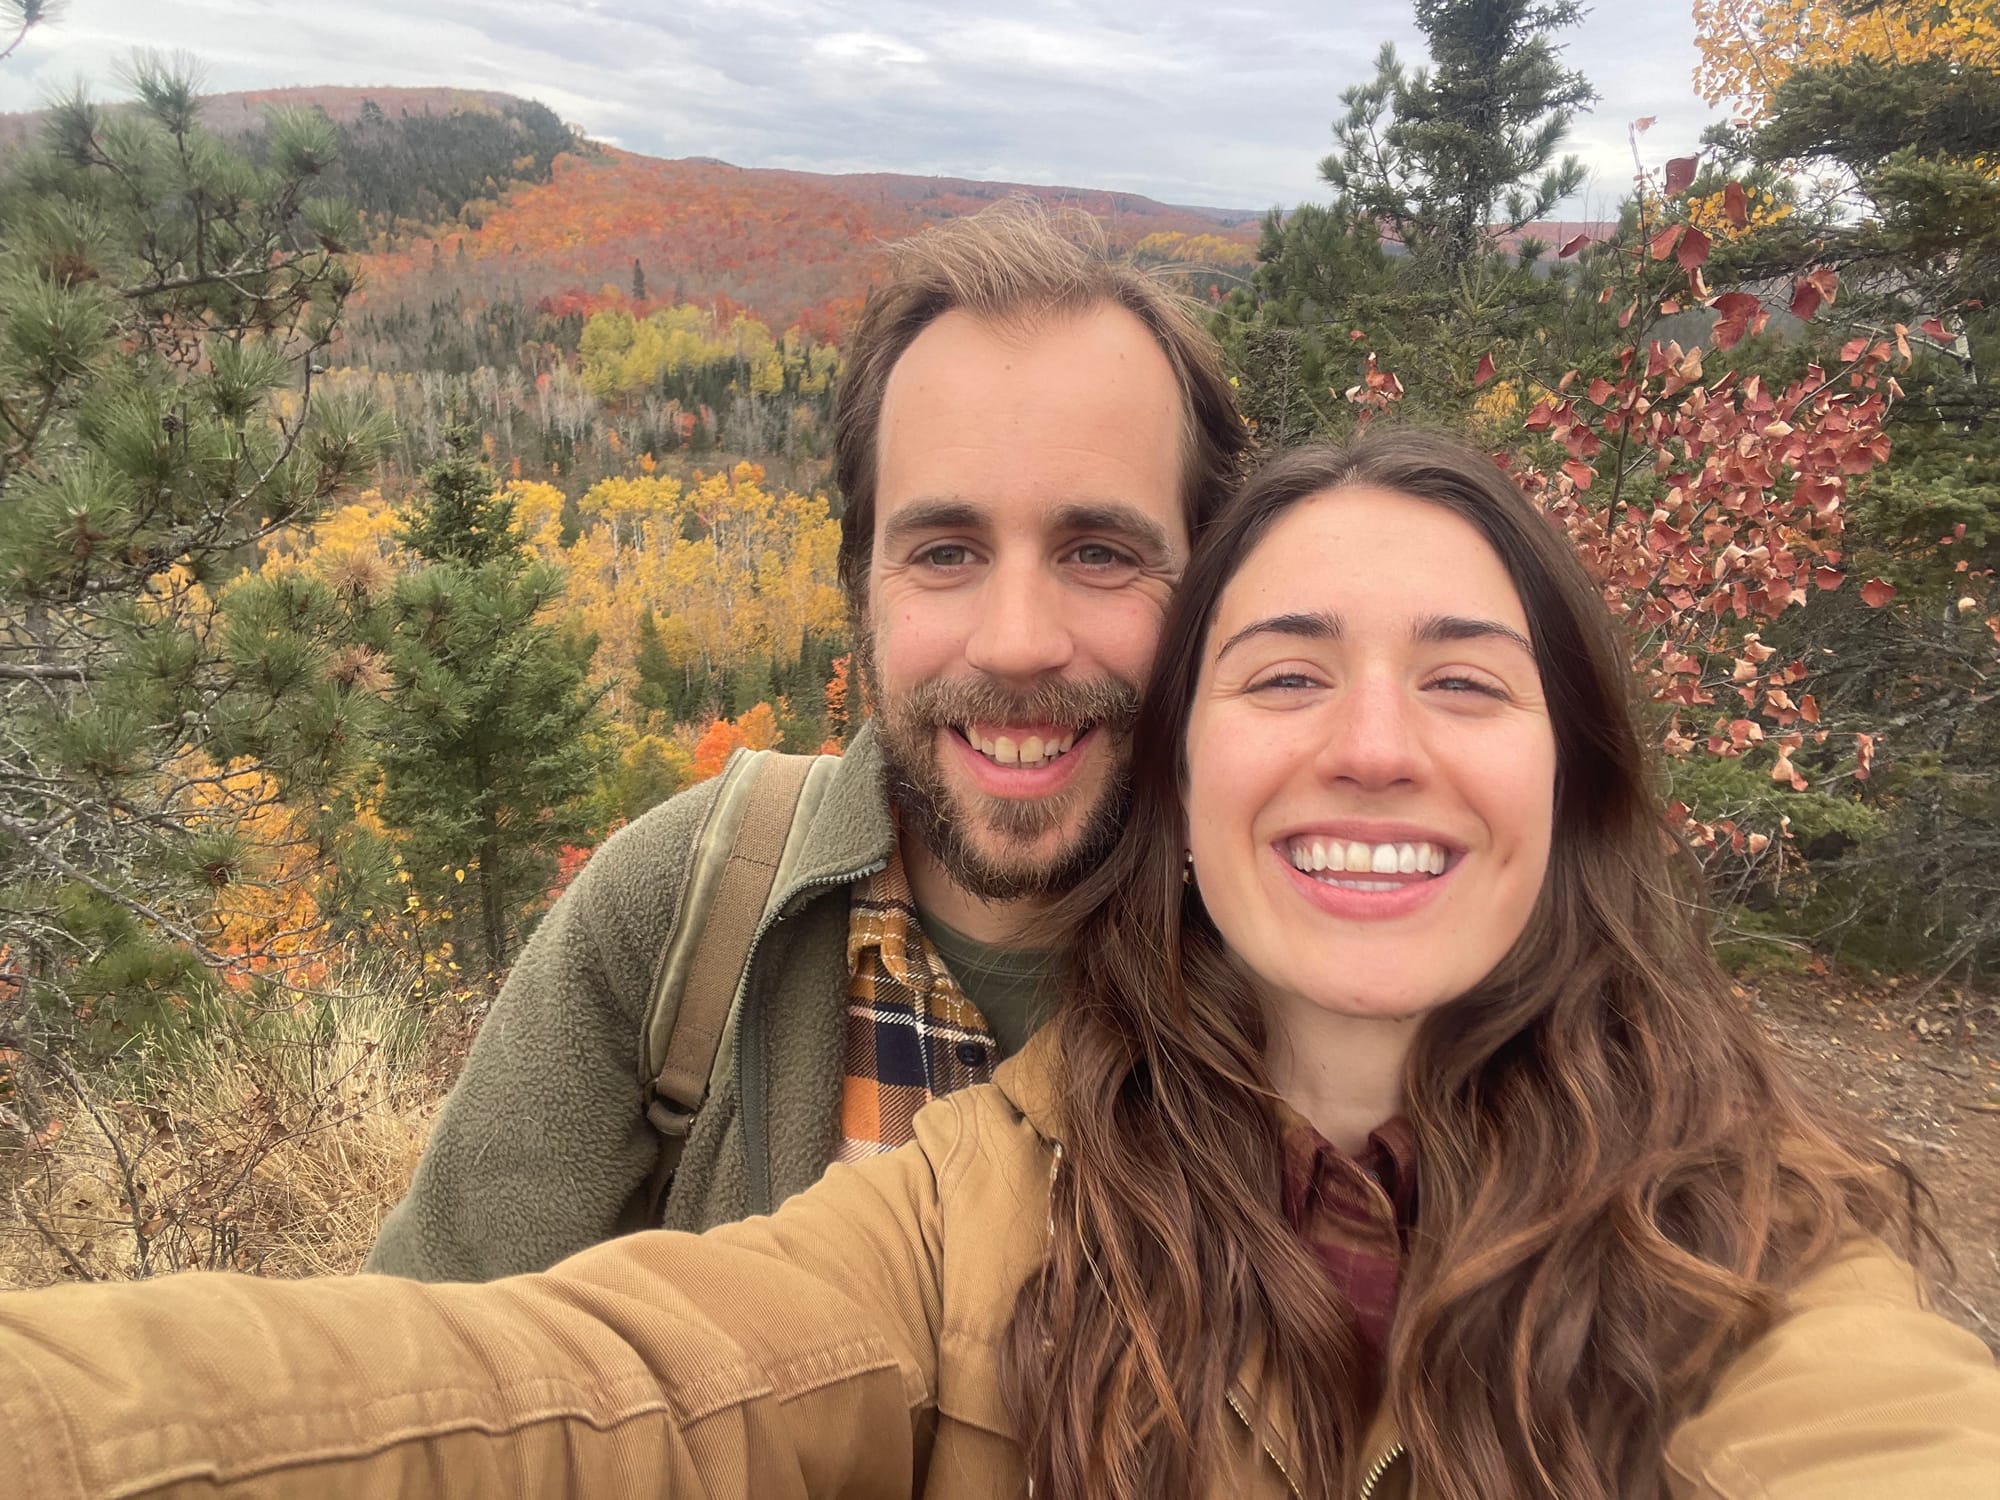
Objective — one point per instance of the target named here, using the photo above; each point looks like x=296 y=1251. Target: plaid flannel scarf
x=911 y=1033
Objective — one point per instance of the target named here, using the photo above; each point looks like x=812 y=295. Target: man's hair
x=1018 y=262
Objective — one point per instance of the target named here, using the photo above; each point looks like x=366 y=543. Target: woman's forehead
x=1369 y=555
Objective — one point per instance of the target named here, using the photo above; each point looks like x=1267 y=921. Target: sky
x=1224 y=103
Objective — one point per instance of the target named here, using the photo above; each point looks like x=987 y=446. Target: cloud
x=1229 y=104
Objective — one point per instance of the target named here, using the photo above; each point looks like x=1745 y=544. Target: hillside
x=787 y=246
x=479 y=201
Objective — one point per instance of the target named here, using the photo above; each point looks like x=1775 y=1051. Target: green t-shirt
x=1004 y=983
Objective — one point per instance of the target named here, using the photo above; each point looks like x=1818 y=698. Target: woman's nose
x=1373 y=740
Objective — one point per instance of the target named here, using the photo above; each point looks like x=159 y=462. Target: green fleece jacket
x=544 y=1140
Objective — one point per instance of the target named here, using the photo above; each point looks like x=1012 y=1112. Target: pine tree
x=491 y=751
x=656 y=677
x=166 y=304
x=638 y=280
x=1434 y=155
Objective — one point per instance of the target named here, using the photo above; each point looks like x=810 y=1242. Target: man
x=1027 y=439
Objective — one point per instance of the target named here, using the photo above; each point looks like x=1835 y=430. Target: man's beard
x=940 y=817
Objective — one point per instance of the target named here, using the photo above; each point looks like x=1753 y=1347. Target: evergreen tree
x=1433 y=155
x=166 y=304
x=1431 y=168
x=638 y=280
x=490 y=753
x=657 y=678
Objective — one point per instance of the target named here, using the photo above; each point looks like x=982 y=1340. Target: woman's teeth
x=1335 y=856
x=1030 y=750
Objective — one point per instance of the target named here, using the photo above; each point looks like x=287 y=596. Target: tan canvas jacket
x=843 y=1347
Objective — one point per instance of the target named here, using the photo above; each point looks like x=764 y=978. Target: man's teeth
x=1031 y=750
x=1337 y=856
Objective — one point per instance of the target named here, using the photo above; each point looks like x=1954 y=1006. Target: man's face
x=1028 y=530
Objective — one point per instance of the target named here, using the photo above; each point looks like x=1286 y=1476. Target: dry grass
x=276 y=1149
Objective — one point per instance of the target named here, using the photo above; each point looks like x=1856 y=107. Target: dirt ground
x=1925 y=1072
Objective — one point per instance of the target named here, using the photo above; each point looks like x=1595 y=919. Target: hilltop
x=474 y=198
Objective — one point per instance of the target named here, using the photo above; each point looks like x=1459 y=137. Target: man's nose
x=1023 y=630
x=1373 y=741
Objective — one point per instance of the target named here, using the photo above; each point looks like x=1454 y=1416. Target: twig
x=1973 y=1312
x=83 y=1272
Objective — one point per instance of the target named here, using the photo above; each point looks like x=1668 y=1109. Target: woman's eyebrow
x=1320 y=625
x=1440 y=629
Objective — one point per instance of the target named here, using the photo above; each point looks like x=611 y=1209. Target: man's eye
x=946 y=555
x=1100 y=555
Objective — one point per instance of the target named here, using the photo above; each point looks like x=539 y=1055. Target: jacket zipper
x=1290 y=1483
x=1382 y=1466
x=753 y=1086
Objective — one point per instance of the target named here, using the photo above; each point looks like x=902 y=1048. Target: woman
x=1397 y=1136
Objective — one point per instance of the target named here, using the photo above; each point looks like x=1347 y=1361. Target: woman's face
x=1371 y=767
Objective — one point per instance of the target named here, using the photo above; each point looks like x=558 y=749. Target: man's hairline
x=1021 y=321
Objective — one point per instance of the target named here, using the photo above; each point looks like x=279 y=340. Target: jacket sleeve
x=793 y=1356
x=1859 y=1392
x=544 y=1137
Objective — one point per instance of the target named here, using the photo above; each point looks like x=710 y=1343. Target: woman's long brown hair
x=1617 y=1181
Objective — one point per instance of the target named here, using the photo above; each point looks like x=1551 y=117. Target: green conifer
x=490 y=750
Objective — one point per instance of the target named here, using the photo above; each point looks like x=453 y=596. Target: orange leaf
x=1485 y=371
x=1829 y=578
x=1933 y=328
x=1663 y=243
x=1735 y=205
x=1570 y=247
x=1875 y=593
x=1644 y=123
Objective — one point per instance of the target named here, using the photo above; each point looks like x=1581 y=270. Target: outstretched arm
x=789 y=1356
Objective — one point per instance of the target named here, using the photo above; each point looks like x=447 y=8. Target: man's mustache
x=1105 y=702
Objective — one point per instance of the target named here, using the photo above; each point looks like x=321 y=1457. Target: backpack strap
x=758 y=808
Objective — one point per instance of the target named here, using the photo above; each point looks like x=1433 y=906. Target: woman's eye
x=1284 y=682
x=1459 y=683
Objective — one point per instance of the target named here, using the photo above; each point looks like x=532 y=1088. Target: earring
x=1187 y=869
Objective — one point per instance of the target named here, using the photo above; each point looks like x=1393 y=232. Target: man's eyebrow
x=1318 y=626
x=944 y=514
x=1127 y=521
x=1440 y=629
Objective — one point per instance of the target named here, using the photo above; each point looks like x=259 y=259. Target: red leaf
x=1805 y=300
x=1663 y=243
x=1570 y=247
x=1485 y=371
x=1644 y=123
x=1736 y=205
x=1680 y=175
x=1875 y=593
x=1693 y=249
x=1933 y=328
x=1579 y=474
x=1625 y=318
x=1829 y=578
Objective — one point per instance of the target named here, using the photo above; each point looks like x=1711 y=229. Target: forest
x=400 y=492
